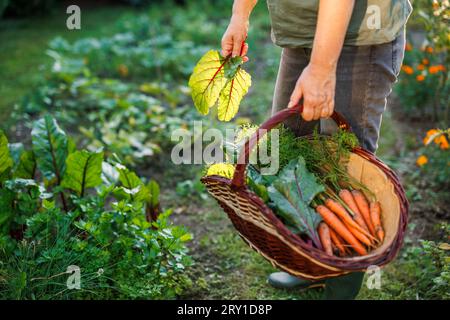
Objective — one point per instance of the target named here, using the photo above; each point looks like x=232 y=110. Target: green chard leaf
x=292 y=193
x=15 y=150
x=6 y=162
x=110 y=175
x=216 y=78
x=26 y=166
x=83 y=171
x=132 y=187
x=152 y=209
x=257 y=183
x=50 y=148
x=154 y=191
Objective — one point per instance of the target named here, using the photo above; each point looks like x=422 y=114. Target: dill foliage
x=325 y=156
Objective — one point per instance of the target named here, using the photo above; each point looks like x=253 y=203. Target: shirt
x=372 y=21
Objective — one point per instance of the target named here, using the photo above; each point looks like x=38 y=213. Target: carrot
x=363 y=207
x=340 y=211
x=358 y=235
x=324 y=235
x=336 y=224
x=347 y=197
x=337 y=242
x=375 y=214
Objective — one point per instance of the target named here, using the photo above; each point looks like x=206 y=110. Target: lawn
x=121 y=86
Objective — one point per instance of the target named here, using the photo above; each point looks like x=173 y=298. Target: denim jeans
x=364 y=79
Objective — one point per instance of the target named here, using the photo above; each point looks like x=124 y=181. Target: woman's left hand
x=316 y=85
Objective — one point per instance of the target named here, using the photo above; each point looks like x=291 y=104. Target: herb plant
x=62 y=207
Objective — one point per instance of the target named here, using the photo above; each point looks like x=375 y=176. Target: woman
x=337 y=54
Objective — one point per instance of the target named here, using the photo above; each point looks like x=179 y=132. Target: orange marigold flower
x=407 y=69
x=425 y=61
x=430 y=133
x=408 y=47
x=433 y=69
x=420 y=77
x=436 y=69
x=429 y=49
x=420 y=67
x=442 y=142
x=422 y=160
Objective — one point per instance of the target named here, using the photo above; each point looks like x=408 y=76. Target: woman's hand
x=234 y=37
x=316 y=85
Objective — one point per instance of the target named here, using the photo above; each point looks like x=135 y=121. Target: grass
x=24 y=42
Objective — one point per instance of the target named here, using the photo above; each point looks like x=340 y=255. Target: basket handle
x=243 y=159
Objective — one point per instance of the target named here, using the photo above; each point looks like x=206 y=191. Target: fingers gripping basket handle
x=239 y=174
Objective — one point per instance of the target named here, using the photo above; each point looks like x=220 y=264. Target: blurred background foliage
x=119 y=85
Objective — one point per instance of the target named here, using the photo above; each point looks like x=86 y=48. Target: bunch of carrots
x=349 y=223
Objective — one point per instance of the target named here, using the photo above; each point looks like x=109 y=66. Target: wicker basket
x=264 y=232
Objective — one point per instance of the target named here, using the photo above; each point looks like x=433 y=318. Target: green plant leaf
x=207 y=80
x=26 y=167
x=132 y=187
x=6 y=161
x=154 y=191
x=6 y=210
x=152 y=209
x=15 y=150
x=83 y=171
x=232 y=66
x=110 y=175
x=257 y=183
x=50 y=148
x=292 y=192
x=27 y=186
x=231 y=95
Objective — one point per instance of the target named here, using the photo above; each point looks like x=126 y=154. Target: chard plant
x=60 y=206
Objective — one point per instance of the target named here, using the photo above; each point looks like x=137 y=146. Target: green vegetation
x=51 y=218
x=24 y=42
x=119 y=87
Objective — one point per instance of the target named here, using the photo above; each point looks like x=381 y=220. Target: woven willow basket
x=264 y=232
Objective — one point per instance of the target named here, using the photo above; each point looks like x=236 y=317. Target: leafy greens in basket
x=291 y=194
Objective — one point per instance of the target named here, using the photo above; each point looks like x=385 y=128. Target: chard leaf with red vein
x=232 y=94
x=218 y=79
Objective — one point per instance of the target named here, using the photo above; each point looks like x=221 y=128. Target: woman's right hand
x=234 y=37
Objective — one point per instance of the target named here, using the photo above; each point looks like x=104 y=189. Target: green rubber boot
x=283 y=280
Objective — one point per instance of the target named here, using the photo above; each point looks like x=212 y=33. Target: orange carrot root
x=337 y=241
x=363 y=207
x=340 y=211
x=375 y=214
x=333 y=222
x=325 y=239
x=358 y=235
x=347 y=197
